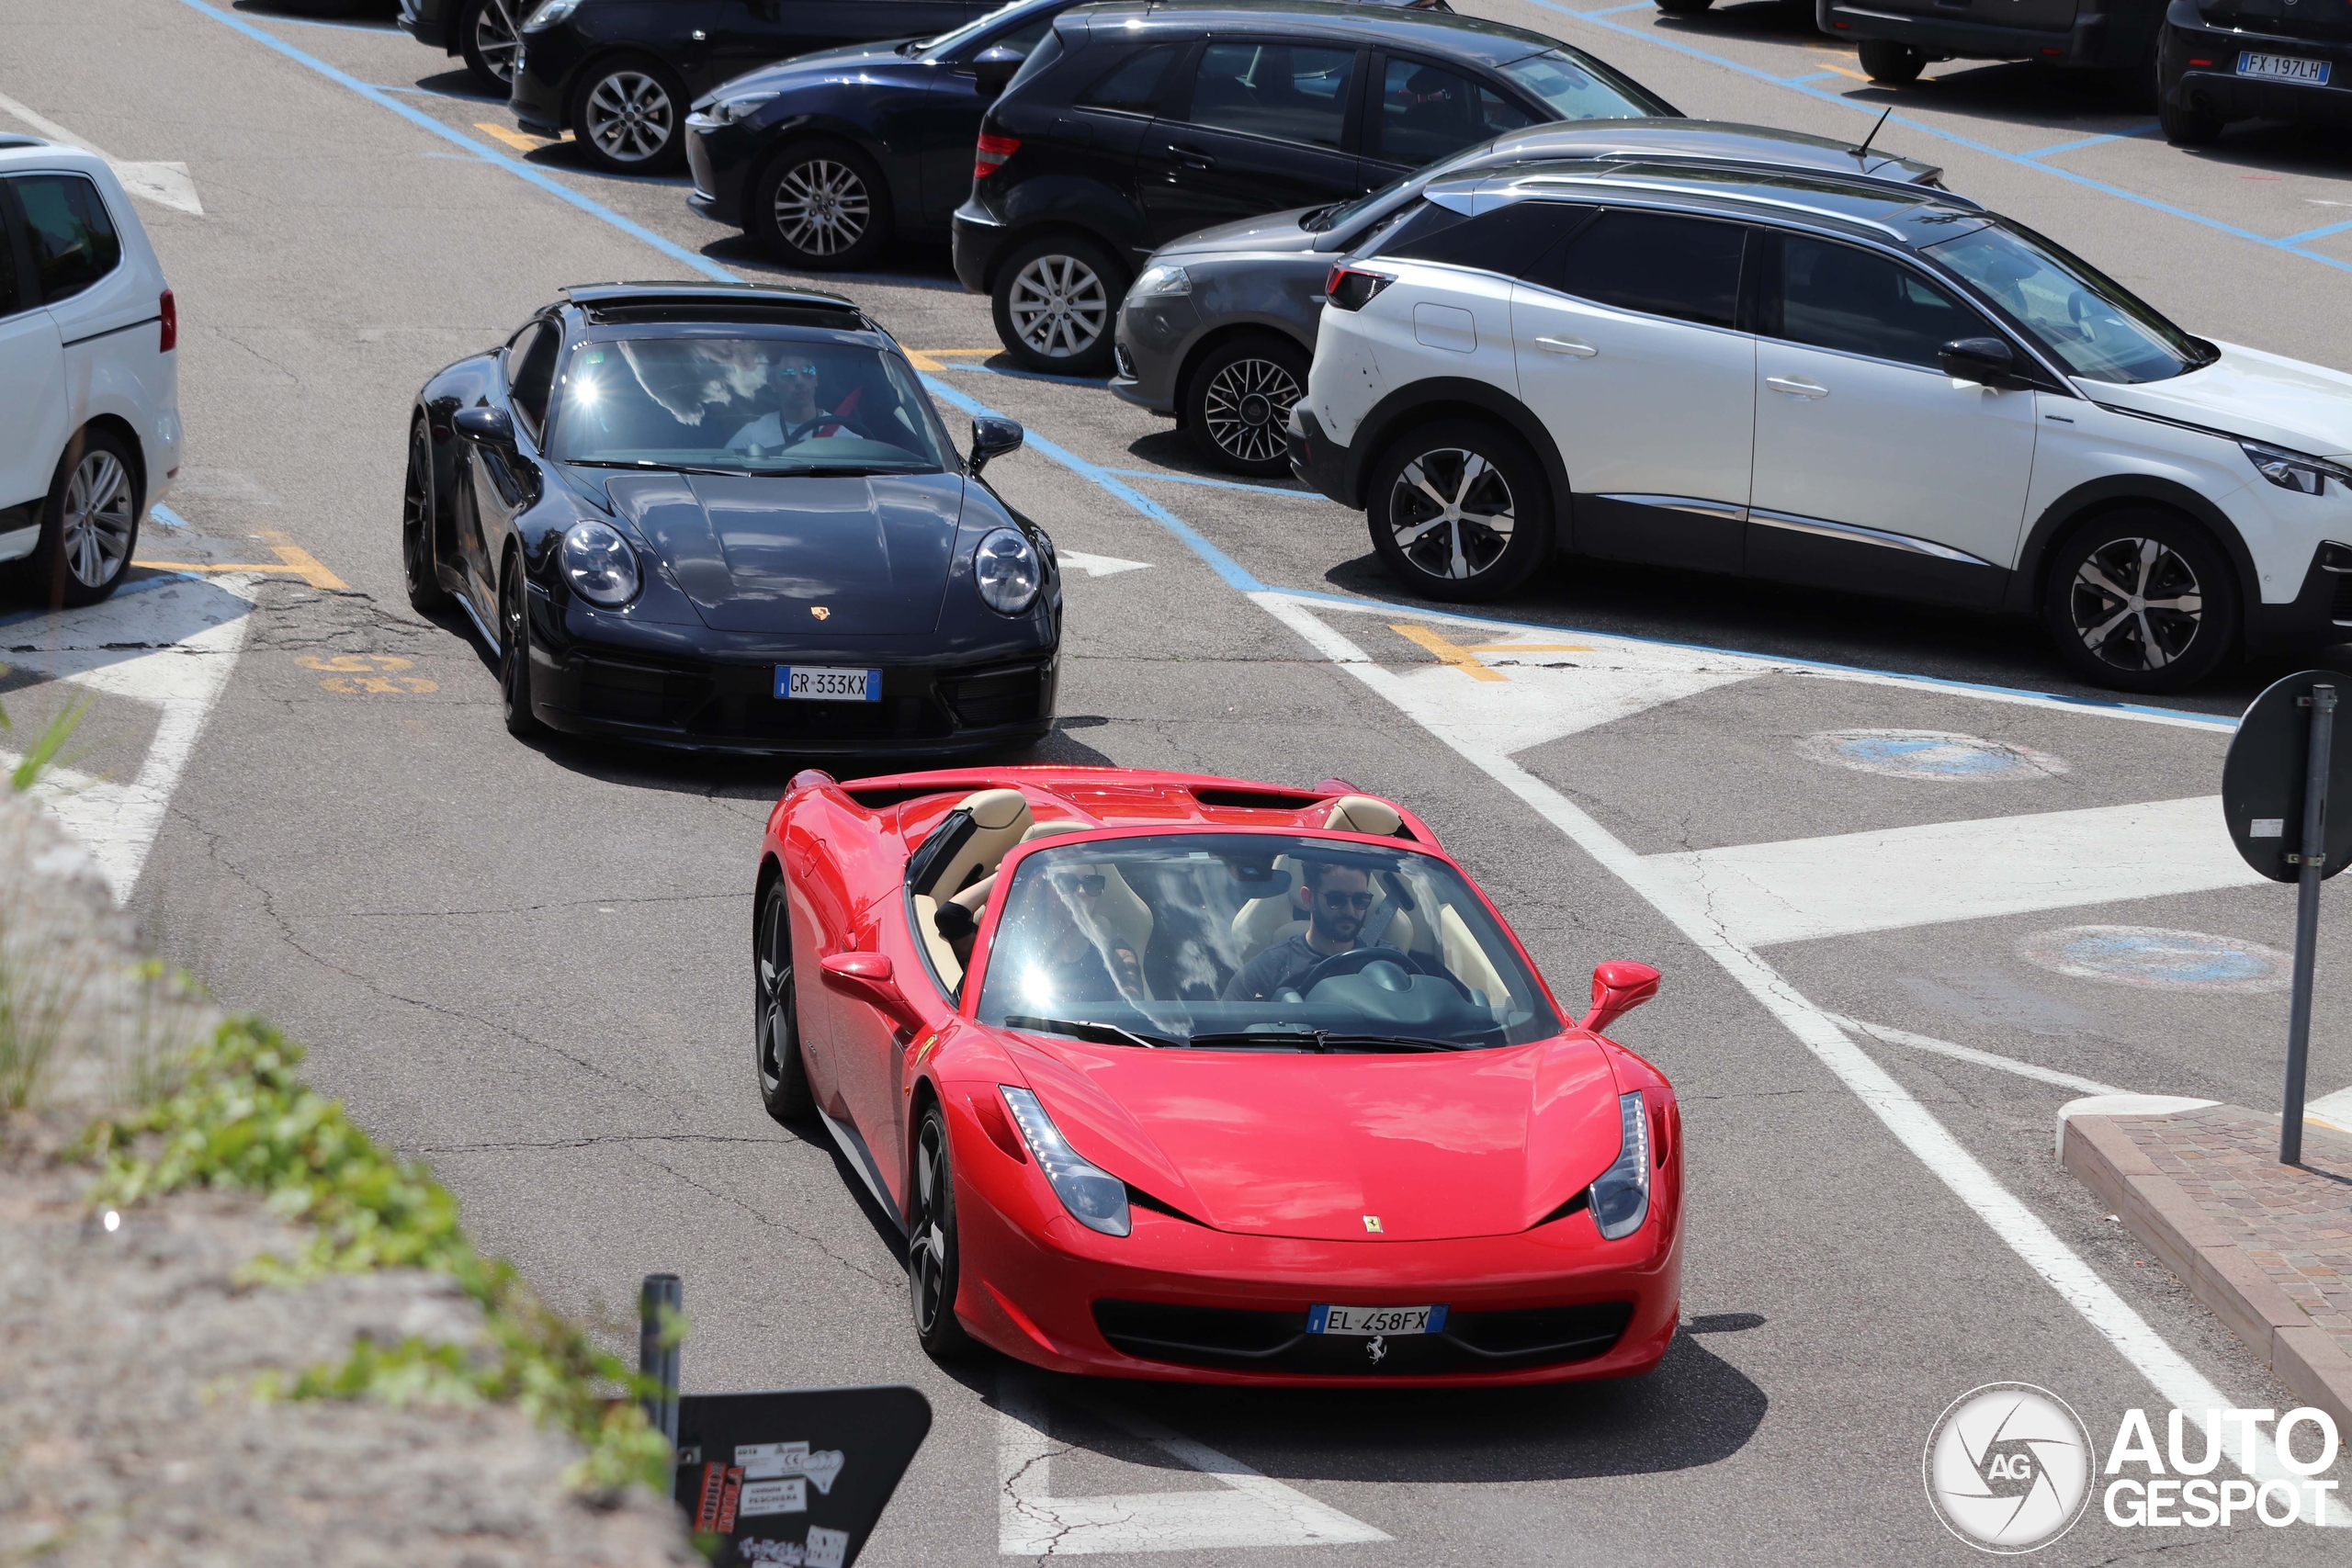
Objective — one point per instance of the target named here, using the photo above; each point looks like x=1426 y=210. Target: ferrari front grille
x=1472 y=1342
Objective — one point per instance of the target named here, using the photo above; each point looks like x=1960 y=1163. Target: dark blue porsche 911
x=726 y=517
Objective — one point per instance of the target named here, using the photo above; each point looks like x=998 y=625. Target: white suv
x=1827 y=380
x=89 y=380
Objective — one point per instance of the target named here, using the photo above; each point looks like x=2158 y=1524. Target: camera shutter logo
x=2008 y=1467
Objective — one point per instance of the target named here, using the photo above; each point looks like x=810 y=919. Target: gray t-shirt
x=1277 y=966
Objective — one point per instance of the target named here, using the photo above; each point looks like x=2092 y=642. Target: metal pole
x=661 y=1298
x=2313 y=862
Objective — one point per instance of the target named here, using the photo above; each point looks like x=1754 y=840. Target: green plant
x=41 y=985
x=48 y=745
x=240 y=1117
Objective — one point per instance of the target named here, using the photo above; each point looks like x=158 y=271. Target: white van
x=89 y=378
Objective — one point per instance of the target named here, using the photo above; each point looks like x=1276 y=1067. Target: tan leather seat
x=1361 y=813
x=1000 y=817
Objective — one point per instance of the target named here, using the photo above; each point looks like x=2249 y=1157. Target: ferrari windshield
x=1234 y=941
x=748 y=404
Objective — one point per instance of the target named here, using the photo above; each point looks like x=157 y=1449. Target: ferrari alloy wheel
x=824 y=207
x=490 y=41
x=91 y=522
x=627 y=118
x=426 y=594
x=2143 y=601
x=1238 y=404
x=933 y=1265
x=1458 y=511
x=783 y=1075
x=1054 y=301
x=514 y=658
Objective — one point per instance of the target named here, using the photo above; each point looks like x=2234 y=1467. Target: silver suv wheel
x=1451 y=512
x=822 y=207
x=1059 y=306
x=631 y=117
x=98 y=519
x=2136 y=605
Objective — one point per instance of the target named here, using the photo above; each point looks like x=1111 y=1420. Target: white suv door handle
x=1562 y=345
x=1800 y=389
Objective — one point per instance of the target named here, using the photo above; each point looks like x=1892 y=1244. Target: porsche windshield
x=1232 y=941
x=753 y=404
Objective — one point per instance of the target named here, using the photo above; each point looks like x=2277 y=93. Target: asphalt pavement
x=1910 y=886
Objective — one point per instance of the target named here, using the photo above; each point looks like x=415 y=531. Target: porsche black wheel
x=932 y=1266
x=515 y=659
x=2142 y=600
x=1459 y=510
x=426 y=594
x=489 y=36
x=775 y=1040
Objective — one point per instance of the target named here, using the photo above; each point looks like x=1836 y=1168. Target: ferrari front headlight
x=600 y=565
x=1621 y=1198
x=1095 y=1198
x=1006 y=571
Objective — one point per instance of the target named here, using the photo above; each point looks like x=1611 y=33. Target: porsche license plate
x=1362 y=1322
x=2284 y=68
x=823 y=684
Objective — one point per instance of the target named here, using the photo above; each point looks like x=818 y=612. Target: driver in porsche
x=1341 y=899
x=793 y=379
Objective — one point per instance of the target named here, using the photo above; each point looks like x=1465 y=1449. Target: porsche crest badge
x=819 y=611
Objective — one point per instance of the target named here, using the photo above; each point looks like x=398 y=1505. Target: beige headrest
x=1047 y=829
x=994 y=808
x=1361 y=813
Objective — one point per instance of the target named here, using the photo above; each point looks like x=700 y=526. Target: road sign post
x=660 y=1302
x=2282 y=769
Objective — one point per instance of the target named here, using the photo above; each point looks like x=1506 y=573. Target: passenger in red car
x=1062 y=960
x=1342 y=901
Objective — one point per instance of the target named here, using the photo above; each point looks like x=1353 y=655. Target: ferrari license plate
x=822 y=684
x=1362 y=1322
x=2284 y=68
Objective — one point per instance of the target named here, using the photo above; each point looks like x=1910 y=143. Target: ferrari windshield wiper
x=1086 y=1029
x=1320 y=1040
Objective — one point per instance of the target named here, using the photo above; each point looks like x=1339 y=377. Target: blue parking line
x=166 y=516
x=1812 y=76
x=2091 y=141
x=1028 y=375
x=2294 y=239
x=1613 y=10
x=2022 y=160
x=383 y=99
x=1213 y=484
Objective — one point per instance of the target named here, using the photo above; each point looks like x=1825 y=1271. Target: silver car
x=1218 y=328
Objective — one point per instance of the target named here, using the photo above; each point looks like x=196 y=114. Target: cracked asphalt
x=527 y=963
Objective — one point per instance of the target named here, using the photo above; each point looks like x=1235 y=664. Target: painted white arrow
x=1099 y=566
x=167 y=184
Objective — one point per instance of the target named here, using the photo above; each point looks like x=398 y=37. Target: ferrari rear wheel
x=783 y=1075
x=514 y=658
x=934 y=1267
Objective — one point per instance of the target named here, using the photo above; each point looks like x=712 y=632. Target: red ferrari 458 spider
x=1175 y=1077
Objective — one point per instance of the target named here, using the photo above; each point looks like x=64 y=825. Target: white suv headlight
x=2293 y=471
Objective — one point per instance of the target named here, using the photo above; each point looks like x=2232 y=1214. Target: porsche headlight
x=599 y=564
x=1006 y=571
x=1620 y=1198
x=549 y=14
x=1094 y=1198
x=1161 y=279
x=742 y=105
x=2293 y=471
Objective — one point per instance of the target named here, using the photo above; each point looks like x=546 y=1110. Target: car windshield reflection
x=1256 y=941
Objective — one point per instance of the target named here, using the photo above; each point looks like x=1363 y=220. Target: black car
x=1897 y=38
x=619 y=73
x=485 y=32
x=726 y=517
x=1132 y=124
x=2225 y=59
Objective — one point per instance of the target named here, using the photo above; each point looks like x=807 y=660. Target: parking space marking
x=1099 y=566
x=368 y=675
x=291 y=558
x=167 y=184
x=1892 y=1036
x=2331 y=1109
x=1465 y=658
x=1250 y=1509
x=929 y=358
x=2093 y=141
x=521 y=141
x=1176 y=478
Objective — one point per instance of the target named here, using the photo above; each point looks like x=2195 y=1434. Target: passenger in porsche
x=1340 y=903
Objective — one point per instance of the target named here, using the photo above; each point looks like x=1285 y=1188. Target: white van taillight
x=171 y=314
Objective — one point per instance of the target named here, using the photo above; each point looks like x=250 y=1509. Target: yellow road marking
x=928 y=358
x=292 y=559
x=360 y=674
x=1464 y=656
x=521 y=141
x=353 y=664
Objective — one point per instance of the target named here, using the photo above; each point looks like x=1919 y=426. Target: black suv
x=2225 y=59
x=1132 y=125
x=1898 y=37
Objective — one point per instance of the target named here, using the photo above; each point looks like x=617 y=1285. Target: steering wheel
x=808 y=427
x=1357 y=959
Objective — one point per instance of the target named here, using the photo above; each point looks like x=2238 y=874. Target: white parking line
x=1970 y=1054
x=167 y=185
x=2176 y=1381
x=1248 y=1510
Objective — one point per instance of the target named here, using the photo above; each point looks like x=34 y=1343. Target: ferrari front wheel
x=934 y=1266
x=783 y=1075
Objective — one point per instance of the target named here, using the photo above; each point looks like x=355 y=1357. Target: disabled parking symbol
x=1937 y=755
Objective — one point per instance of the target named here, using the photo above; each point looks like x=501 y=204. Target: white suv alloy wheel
x=1451 y=512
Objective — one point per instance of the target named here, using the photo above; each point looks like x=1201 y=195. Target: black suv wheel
x=2184 y=125
x=1892 y=62
x=2142 y=600
x=821 y=205
x=1055 y=300
x=1460 y=510
x=628 y=115
x=489 y=37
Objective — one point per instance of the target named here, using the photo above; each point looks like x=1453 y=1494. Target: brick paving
x=2294 y=1223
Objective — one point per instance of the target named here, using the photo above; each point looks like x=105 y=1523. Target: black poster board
x=797 y=1478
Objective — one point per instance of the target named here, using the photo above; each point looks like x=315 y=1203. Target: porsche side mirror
x=485 y=426
x=1618 y=987
x=992 y=437
x=994 y=67
x=866 y=978
x=1987 y=361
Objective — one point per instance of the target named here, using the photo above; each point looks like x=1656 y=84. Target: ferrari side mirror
x=1618 y=987
x=866 y=978
x=992 y=437
x=489 y=426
